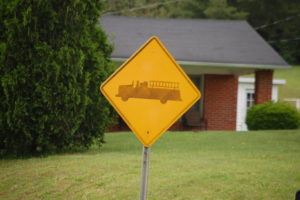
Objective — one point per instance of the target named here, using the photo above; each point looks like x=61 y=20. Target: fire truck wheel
x=163 y=100
x=124 y=98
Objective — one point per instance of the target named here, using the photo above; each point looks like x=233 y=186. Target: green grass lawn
x=183 y=165
x=292 y=88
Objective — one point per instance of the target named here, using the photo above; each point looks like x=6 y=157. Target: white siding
x=275 y=93
x=241 y=105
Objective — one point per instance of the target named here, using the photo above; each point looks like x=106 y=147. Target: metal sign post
x=145 y=168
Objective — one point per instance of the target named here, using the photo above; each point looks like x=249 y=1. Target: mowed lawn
x=183 y=165
x=292 y=87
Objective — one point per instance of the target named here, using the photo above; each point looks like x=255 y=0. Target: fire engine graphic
x=161 y=90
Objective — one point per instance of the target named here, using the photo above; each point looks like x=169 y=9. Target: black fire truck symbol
x=161 y=90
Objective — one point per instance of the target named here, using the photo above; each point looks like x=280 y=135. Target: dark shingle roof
x=194 y=40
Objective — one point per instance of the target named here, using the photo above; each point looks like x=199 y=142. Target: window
x=193 y=117
x=249 y=99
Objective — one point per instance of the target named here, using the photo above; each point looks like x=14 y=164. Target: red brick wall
x=263 y=86
x=220 y=101
x=177 y=126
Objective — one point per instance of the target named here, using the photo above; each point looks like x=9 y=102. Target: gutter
x=226 y=65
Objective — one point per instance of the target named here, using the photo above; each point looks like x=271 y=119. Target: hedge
x=270 y=116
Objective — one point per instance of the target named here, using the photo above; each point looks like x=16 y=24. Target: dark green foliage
x=211 y=9
x=279 y=35
x=272 y=116
x=221 y=10
x=53 y=59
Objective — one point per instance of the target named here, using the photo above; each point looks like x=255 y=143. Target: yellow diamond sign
x=150 y=91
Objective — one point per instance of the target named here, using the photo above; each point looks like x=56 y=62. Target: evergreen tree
x=53 y=59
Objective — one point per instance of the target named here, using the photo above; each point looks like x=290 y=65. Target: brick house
x=214 y=53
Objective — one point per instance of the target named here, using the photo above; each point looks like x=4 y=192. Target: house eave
x=218 y=65
x=234 y=65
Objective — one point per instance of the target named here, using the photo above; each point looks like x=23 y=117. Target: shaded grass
x=183 y=165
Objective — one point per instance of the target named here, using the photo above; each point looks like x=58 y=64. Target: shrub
x=270 y=116
x=53 y=59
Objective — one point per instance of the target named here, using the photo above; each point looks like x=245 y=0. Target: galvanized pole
x=146 y=155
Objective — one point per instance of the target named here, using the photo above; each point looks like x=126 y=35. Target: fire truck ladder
x=164 y=84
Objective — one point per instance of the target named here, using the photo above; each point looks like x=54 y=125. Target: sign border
x=174 y=119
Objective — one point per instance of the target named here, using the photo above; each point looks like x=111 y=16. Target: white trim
x=296 y=100
x=228 y=65
x=291 y=99
x=119 y=59
x=252 y=80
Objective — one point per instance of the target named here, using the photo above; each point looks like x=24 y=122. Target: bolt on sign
x=150 y=91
